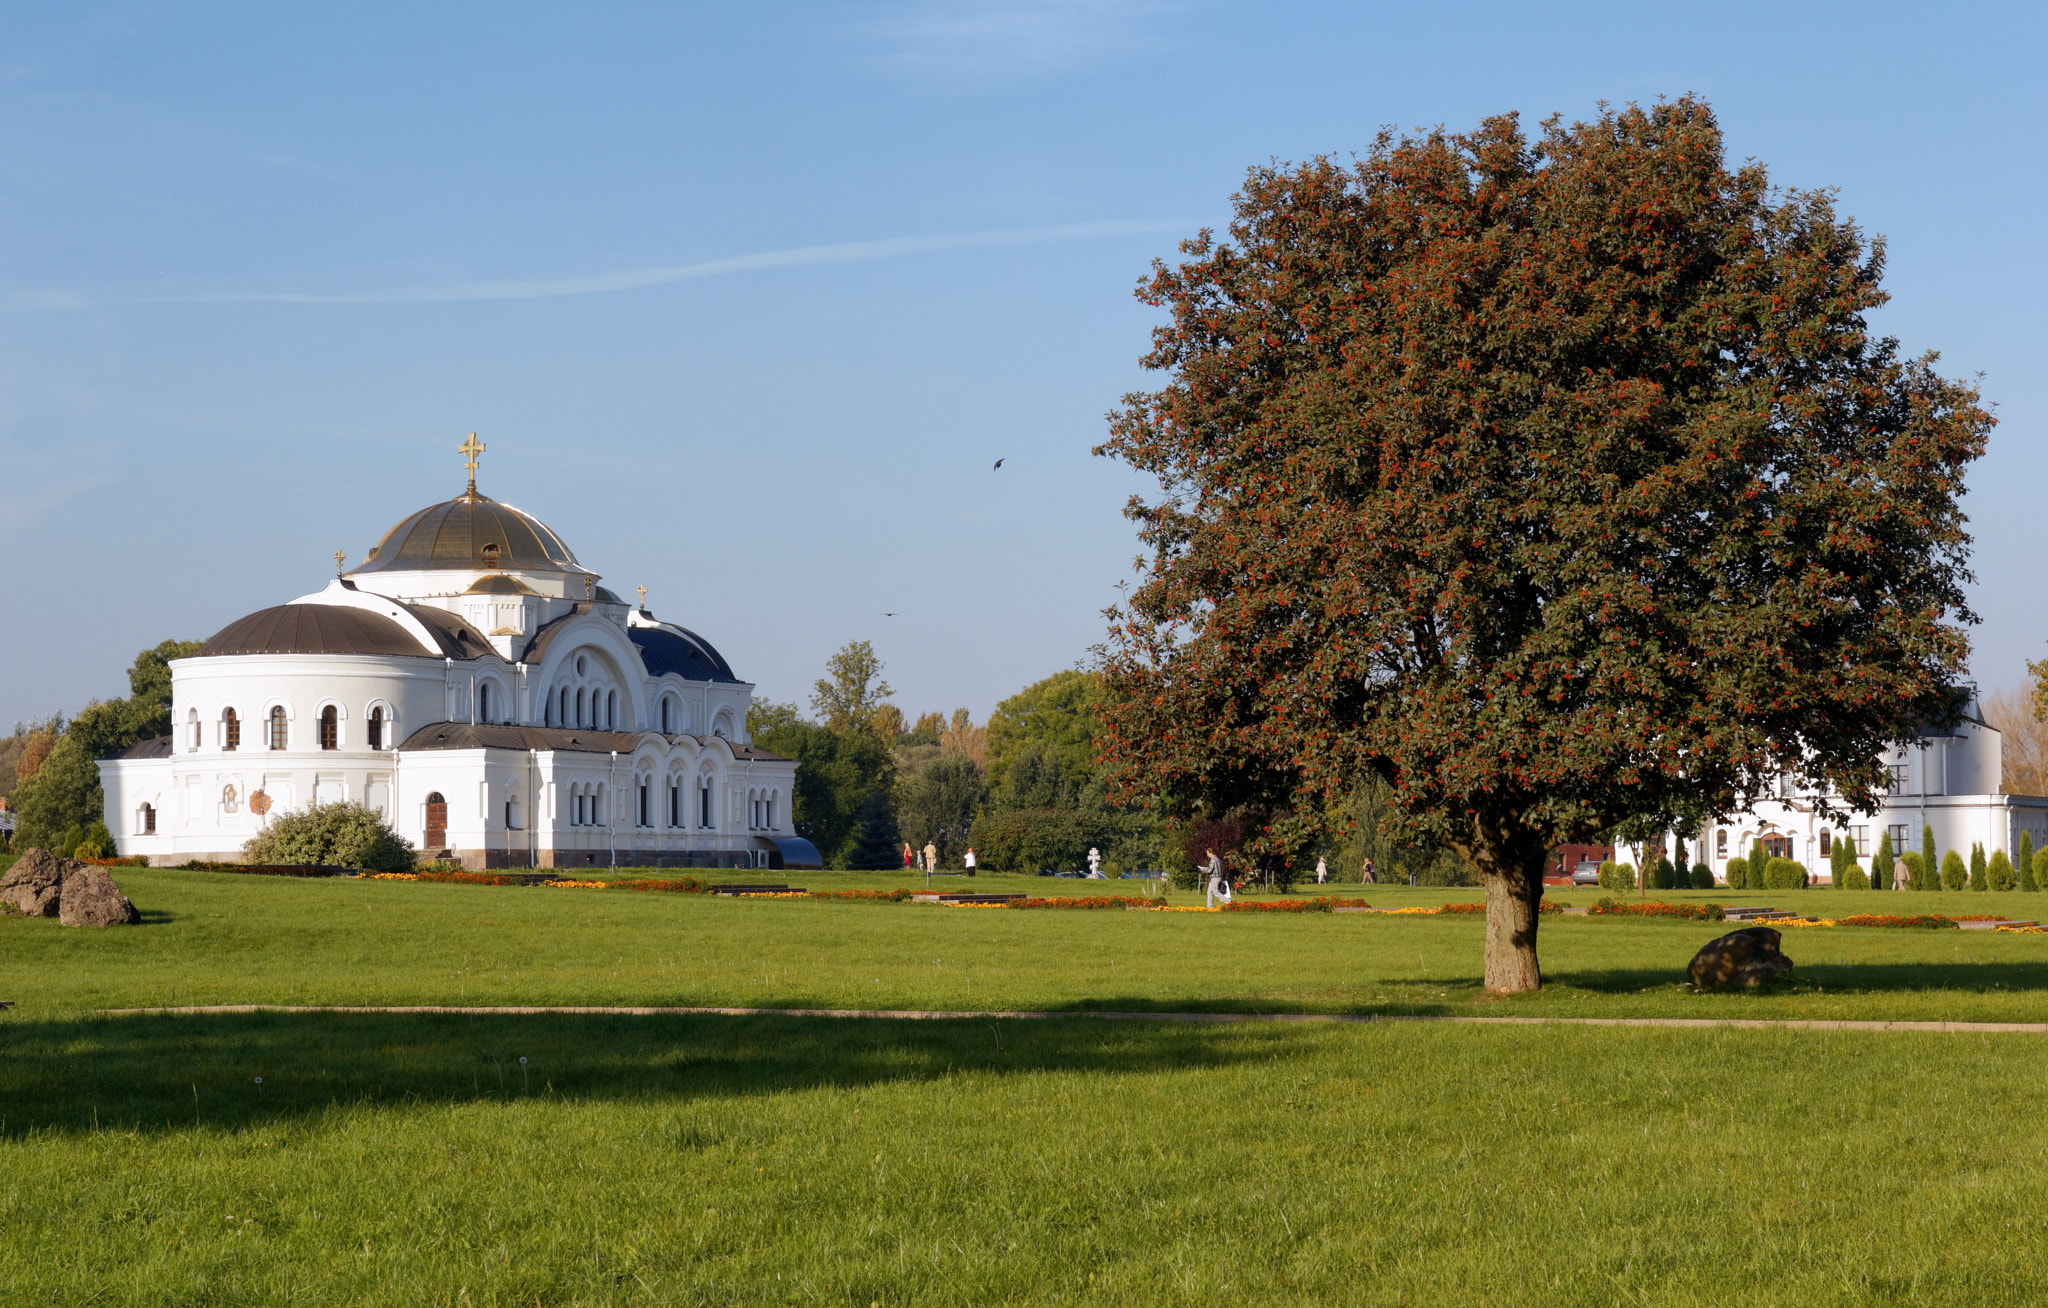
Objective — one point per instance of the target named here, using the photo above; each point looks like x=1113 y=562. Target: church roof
x=469 y=531
x=314 y=629
x=689 y=656
x=155 y=747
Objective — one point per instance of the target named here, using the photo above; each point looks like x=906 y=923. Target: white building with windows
x=1948 y=780
x=471 y=680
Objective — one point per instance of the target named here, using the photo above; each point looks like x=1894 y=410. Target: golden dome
x=470 y=532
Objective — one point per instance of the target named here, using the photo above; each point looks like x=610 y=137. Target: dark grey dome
x=470 y=531
x=312 y=629
x=689 y=655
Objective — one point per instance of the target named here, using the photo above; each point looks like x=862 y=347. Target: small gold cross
x=472 y=447
x=643 y=595
x=339 y=559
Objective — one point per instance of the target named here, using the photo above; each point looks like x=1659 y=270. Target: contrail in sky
x=636 y=278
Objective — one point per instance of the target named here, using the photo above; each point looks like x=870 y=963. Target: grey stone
x=1749 y=957
x=77 y=894
x=34 y=884
x=90 y=898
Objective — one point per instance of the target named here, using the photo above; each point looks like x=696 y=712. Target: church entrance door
x=437 y=821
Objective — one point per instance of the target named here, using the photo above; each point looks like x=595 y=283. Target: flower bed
x=263 y=869
x=1542 y=906
x=485 y=878
x=1919 y=921
x=674 y=885
x=893 y=896
x=1086 y=901
x=1611 y=907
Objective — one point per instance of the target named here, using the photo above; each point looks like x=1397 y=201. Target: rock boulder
x=1749 y=957
x=77 y=894
x=90 y=898
x=34 y=883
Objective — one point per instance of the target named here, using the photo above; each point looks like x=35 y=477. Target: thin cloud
x=639 y=278
x=983 y=37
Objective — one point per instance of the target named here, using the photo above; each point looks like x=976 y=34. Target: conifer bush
x=1852 y=877
x=2023 y=865
x=1737 y=874
x=2041 y=868
x=1664 y=876
x=1702 y=877
x=1998 y=872
x=1783 y=874
x=1916 y=871
x=1930 y=858
x=1881 y=866
x=1977 y=866
x=1955 y=874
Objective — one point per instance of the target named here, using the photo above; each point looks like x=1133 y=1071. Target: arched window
x=547 y=710
x=1721 y=843
x=437 y=820
x=483 y=701
x=330 y=728
x=1827 y=843
x=611 y=710
x=148 y=823
x=277 y=727
x=664 y=715
x=675 y=802
x=230 y=732
x=562 y=714
x=579 y=706
x=704 y=802
x=644 y=788
x=772 y=797
x=192 y=718
x=376 y=731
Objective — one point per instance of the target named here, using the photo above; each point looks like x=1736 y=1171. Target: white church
x=473 y=682
x=1948 y=779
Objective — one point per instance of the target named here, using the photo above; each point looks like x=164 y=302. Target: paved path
x=924 y=1015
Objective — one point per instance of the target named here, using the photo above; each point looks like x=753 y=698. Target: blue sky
x=746 y=299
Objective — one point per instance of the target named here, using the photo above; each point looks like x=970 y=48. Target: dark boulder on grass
x=34 y=884
x=1749 y=957
x=77 y=894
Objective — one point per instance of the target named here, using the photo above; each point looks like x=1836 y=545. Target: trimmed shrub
x=2041 y=868
x=1617 y=876
x=1737 y=874
x=1977 y=866
x=1783 y=874
x=1955 y=874
x=332 y=835
x=1881 y=866
x=1702 y=877
x=2023 y=866
x=1851 y=877
x=1998 y=873
x=1663 y=876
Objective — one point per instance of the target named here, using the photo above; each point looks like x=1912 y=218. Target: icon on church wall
x=259 y=802
x=228 y=801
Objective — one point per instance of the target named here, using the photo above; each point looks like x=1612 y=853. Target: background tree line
x=46 y=767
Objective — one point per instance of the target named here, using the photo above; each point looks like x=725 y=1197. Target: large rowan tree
x=1554 y=481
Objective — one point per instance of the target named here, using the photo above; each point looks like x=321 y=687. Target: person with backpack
x=1219 y=885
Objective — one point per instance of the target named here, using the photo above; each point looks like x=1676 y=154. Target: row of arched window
x=587 y=707
x=276 y=729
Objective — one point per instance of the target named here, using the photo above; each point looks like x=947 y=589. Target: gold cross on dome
x=339 y=559
x=472 y=447
x=643 y=595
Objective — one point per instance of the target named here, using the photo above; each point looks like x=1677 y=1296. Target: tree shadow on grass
x=153 y=1073
x=1842 y=978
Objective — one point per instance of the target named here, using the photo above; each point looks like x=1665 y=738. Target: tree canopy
x=1552 y=480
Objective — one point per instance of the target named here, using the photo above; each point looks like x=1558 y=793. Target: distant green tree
x=2023 y=865
x=930 y=727
x=1031 y=840
x=937 y=802
x=1054 y=718
x=1955 y=874
x=1663 y=874
x=64 y=793
x=1998 y=872
x=877 y=845
x=847 y=697
x=332 y=835
x=1881 y=865
x=1929 y=859
x=2041 y=869
x=1977 y=866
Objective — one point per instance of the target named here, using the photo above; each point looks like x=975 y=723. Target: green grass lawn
x=412 y=1159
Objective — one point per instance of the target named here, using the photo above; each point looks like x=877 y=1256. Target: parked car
x=1587 y=873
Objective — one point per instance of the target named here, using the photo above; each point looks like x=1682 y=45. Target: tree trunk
x=1513 y=896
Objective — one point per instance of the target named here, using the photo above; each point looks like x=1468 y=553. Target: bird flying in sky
x=999 y=463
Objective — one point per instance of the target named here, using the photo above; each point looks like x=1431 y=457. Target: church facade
x=473 y=682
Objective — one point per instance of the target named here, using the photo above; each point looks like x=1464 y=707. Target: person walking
x=931 y=856
x=1219 y=885
x=970 y=860
x=1322 y=871
x=908 y=857
x=1365 y=875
